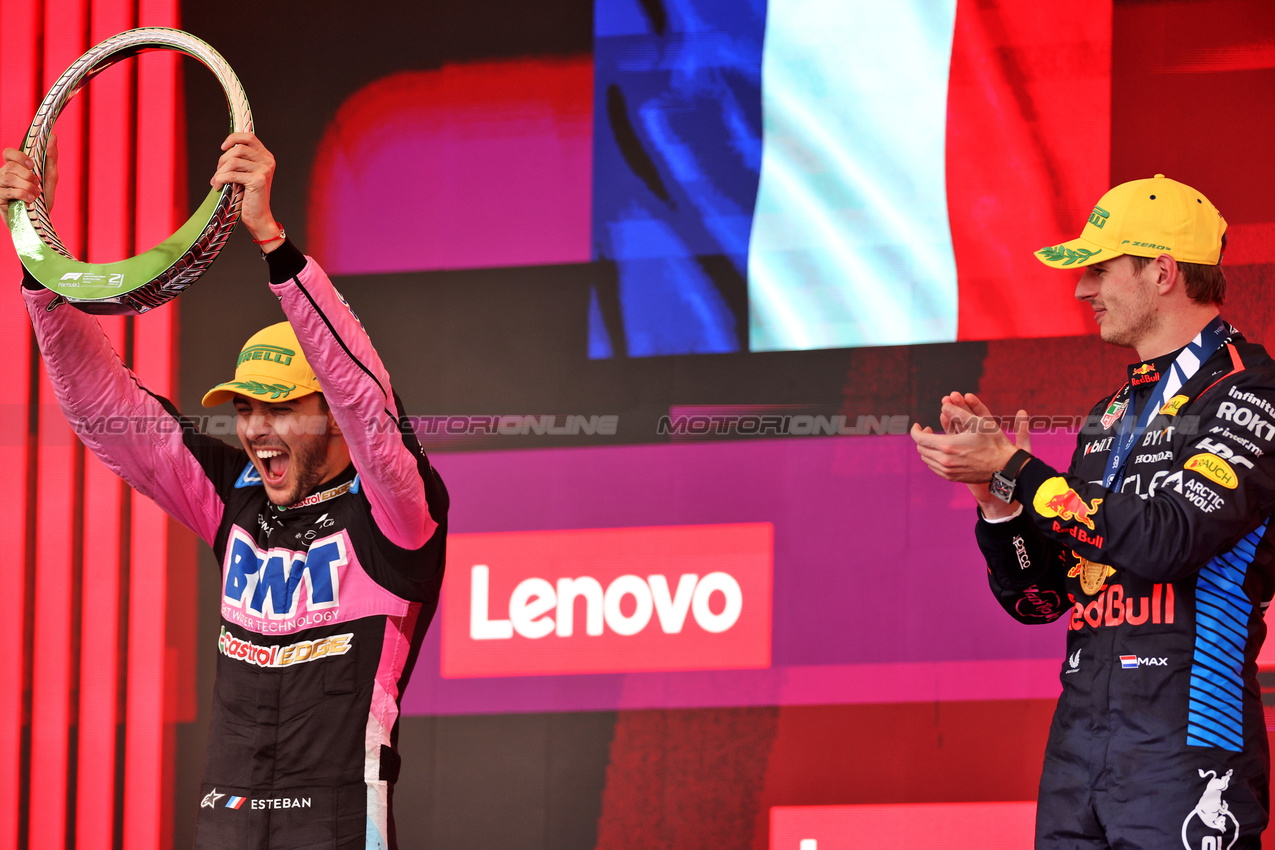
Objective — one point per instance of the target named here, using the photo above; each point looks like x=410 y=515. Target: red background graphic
x=100 y=586
x=743 y=551
x=1024 y=176
x=104 y=706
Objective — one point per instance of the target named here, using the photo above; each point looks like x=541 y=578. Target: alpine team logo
x=249 y=477
x=1210 y=825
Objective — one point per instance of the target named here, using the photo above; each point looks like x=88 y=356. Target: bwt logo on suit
x=611 y=600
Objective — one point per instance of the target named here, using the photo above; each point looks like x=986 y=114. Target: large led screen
x=662 y=285
x=799 y=174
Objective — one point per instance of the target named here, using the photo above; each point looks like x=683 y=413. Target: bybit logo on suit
x=607 y=600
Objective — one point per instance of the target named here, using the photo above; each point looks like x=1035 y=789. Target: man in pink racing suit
x=329 y=524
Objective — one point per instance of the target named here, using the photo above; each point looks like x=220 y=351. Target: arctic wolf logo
x=1214 y=815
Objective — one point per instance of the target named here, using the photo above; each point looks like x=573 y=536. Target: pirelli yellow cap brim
x=271 y=367
x=1145 y=218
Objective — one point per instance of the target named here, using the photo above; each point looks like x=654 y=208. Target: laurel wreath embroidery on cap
x=275 y=390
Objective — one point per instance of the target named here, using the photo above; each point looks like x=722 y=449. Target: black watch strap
x=1005 y=481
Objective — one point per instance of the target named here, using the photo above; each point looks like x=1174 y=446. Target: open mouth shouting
x=273 y=463
x=294 y=445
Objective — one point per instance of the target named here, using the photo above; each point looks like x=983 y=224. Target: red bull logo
x=1144 y=374
x=1056 y=499
x=1112 y=608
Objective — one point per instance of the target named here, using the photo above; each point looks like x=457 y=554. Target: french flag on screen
x=750 y=174
x=901 y=163
x=915 y=154
x=235 y=802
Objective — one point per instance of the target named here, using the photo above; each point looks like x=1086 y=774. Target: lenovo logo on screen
x=613 y=600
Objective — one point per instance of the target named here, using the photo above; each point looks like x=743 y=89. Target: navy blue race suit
x=1159 y=738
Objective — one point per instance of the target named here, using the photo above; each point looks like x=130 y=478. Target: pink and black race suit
x=323 y=604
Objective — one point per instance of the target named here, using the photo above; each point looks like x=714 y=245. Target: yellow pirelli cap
x=271 y=367
x=1145 y=218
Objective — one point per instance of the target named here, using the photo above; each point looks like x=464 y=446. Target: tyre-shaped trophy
x=146 y=281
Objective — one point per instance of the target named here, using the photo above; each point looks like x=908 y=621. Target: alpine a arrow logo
x=248 y=478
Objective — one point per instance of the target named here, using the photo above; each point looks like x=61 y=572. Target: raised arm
x=357 y=388
x=138 y=435
x=354 y=381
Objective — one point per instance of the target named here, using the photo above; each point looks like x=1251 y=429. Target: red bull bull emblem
x=1144 y=374
x=1056 y=499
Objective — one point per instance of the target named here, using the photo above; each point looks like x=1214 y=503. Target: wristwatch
x=1004 y=482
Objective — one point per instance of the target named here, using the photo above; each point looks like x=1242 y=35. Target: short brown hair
x=1204 y=284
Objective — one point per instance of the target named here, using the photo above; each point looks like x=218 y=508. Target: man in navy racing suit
x=1154 y=544
x=329 y=524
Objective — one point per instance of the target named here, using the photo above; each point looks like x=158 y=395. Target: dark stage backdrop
x=663 y=283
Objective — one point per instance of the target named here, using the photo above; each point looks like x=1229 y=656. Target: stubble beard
x=309 y=460
x=1143 y=321
x=1129 y=337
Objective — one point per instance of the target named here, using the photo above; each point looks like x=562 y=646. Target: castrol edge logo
x=609 y=600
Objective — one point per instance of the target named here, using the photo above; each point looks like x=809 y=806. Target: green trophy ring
x=155 y=277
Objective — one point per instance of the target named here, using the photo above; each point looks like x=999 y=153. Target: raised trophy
x=147 y=280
